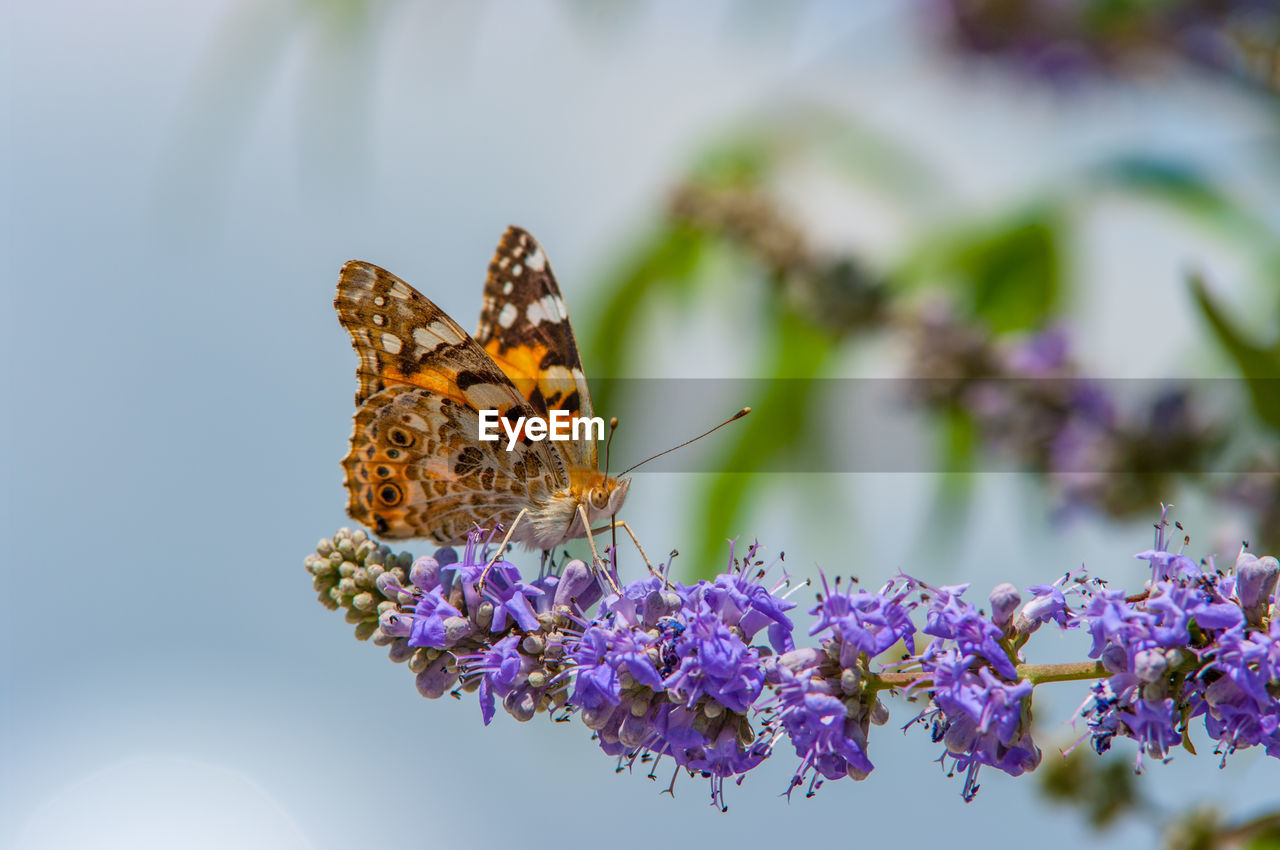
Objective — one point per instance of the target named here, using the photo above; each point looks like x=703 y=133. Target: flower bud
x=425 y=574
x=1255 y=584
x=400 y=651
x=634 y=731
x=421 y=659
x=455 y=629
x=849 y=680
x=1114 y=659
x=1149 y=665
x=1005 y=600
x=395 y=623
x=596 y=719
x=575 y=581
x=388 y=585
x=436 y=680
x=521 y=704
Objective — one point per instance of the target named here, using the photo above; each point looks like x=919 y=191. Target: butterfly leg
x=502 y=548
x=595 y=555
x=622 y=523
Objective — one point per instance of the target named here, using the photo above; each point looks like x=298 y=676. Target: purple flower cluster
x=1064 y=41
x=1028 y=399
x=708 y=674
x=1194 y=642
x=825 y=698
x=667 y=669
x=979 y=708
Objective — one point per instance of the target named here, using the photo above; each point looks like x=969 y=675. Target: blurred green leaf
x=1182 y=187
x=959 y=438
x=666 y=262
x=1267 y=840
x=777 y=425
x=1014 y=273
x=745 y=162
x=1174 y=181
x=1103 y=789
x=1259 y=365
x=1010 y=275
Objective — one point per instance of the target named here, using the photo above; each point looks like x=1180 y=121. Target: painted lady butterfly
x=416 y=466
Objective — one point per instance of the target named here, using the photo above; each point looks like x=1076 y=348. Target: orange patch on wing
x=444 y=383
x=520 y=363
x=517 y=361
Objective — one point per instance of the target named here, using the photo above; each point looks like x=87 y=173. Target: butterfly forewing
x=524 y=327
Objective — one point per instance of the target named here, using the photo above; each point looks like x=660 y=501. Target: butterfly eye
x=599 y=499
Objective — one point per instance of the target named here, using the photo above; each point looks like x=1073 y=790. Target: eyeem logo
x=561 y=426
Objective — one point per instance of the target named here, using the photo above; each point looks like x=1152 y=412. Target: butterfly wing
x=416 y=469
x=416 y=466
x=524 y=327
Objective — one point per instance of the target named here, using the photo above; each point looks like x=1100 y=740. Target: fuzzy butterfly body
x=416 y=465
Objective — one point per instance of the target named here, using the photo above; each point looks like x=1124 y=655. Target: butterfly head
x=602 y=494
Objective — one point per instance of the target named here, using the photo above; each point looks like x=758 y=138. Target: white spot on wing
x=424 y=338
x=548 y=308
x=391 y=343
x=379 y=319
x=537 y=261
x=506 y=288
x=508 y=315
x=442 y=332
x=486 y=396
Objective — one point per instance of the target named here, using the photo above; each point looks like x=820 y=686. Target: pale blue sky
x=181 y=183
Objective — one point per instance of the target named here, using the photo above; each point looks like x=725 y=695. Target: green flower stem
x=1037 y=674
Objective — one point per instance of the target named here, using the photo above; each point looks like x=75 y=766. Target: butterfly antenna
x=741 y=413
x=613 y=426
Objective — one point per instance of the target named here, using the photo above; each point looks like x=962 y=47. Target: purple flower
x=979 y=718
x=952 y=619
x=715 y=663
x=502 y=669
x=829 y=737
x=429 y=618
x=863 y=622
x=1051 y=603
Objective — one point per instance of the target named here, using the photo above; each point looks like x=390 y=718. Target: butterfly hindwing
x=416 y=469
x=524 y=327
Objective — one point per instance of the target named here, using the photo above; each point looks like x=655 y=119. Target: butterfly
x=416 y=466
